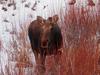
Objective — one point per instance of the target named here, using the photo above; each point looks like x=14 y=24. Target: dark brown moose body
x=45 y=38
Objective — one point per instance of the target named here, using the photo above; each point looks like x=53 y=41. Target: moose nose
x=44 y=44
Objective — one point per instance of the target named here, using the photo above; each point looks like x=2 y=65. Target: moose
x=45 y=38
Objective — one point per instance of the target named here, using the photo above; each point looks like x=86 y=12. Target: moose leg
x=36 y=61
x=42 y=62
x=36 y=57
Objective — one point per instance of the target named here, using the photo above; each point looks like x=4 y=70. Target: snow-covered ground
x=24 y=14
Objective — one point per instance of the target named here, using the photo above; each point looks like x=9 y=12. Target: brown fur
x=45 y=37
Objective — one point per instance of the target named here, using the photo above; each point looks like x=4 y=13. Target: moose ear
x=55 y=18
x=40 y=19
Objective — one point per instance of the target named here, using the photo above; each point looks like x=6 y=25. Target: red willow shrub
x=81 y=50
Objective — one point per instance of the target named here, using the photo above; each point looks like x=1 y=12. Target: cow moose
x=45 y=38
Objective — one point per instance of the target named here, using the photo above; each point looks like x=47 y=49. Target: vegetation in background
x=81 y=34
